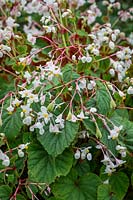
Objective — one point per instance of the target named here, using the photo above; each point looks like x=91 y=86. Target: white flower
x=112 y=72
x=16 y=102
x=121 y=93
x=82 y=83
x=83 y=155
x=44 y=114
x=91 y=85
x=32 y=98
x=52 y=70
x=114 y=133
x=25 y=93
x=27 y=75
x=25 y=109
x=23 y=146
x=73 y=57
x=83 y=59
x=60 y=120
x=130 y=90
x=11 y=22
x=54 y=128
x=6 y=162
x=77 y=154
x=20 y=153
x=10 y=109
x=5 y=159
x=93 y=110
x=88 y=59
x=113 y=37
x=73 y=118
x=122 y=150
x=111 y=45
x=31 y=38
x=81 y=115
x=89 y=156
x=27 y=120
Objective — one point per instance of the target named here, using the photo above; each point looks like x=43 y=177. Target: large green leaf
x=5 y=192
x=119 y=184
x=45 y=168
x=103 y=100
x=56 y=143
x=11 y=124
x=75 y=188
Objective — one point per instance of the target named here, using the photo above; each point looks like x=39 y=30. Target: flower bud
x=77 y=154
x=20 y=153
x=89 y=156
x=50 y=107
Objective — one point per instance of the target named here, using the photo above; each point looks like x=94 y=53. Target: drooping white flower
x=114 y=133
x=81 y=115
x=77 y=154
x=91 y=85
x=31 y=38
x=10 y=109
x=27 y=120
x=130 y=90
x=89 y=156
x=5 y=159
x=93 y=110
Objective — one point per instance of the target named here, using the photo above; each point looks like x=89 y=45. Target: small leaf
x=5 y=192
x=12 y=124
x=22 y=49
x=103 y=100
x=82 y=33
x=56 y=143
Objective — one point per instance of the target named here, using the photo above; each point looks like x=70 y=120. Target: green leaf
x=132 y=179
x=119 y=184
x=103 y=192
x=82 y=33
x=103 y=100
x=54 y=143
x=90 y=126
x=45 y=168
x=12 y=124
x=6 y=85
x=22 y=49
x=5 y=192
x=33 y=188
x=20 y=197
x=104 y=65
x=82 y=167
x=68 y=73
x=74 y=188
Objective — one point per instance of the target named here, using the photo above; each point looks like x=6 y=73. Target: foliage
x=66 y=89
